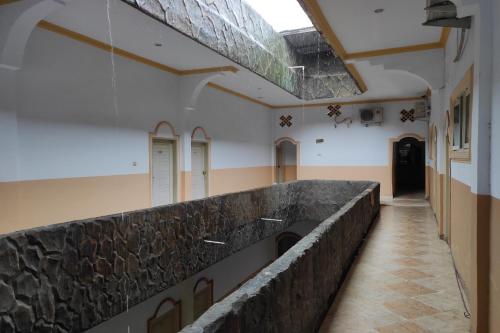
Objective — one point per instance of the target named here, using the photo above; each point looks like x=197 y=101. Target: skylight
x=281 y=14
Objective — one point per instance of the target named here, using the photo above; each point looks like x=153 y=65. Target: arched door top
x=164 y=129
x=199 y=134
x=286 y=139
x=409 y=135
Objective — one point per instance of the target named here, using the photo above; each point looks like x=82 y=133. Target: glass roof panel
x=282 y=15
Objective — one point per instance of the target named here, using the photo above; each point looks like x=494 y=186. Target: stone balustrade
x=72 y=276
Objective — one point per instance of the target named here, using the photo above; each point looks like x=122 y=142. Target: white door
x=162 y=172
x=198 y=170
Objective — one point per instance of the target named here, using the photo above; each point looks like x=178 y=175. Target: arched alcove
x=407 y=160
x=285 y=241
x=203 y=293
x=164 y=166
x=167 y=317
x=200 y=163
x=287 y=159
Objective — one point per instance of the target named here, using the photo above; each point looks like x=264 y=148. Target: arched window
x=167 y=317
x=203 y=296
x=285 y=241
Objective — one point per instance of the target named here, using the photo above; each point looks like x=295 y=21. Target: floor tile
x=403 y=327
x=410 y=308
x=403 y=280
x=410 y=289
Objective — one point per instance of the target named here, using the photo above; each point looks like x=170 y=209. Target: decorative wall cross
x=286 y=121
x=334 y=111
x=408 y=115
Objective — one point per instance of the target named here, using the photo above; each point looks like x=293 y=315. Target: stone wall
x=234 y=30
x=73 y=276
x=294 y=293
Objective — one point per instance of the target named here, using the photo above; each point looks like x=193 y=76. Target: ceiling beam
x=106 y=47
x=394 y=50
x=132 y=56
x=366 y=101
x=314 y=10
x=331 y=38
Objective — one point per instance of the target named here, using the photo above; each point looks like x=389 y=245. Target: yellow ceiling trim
x=366 y=101
x=237 y=94
x=394 y=50
x=209 y=70
x=6 y=2
x=118 y=51
x=106 y=47
x=357 y=77
x=445 y=33
x=321 y=22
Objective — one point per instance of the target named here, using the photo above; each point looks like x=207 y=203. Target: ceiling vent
x=371 y=117
x=444 y=14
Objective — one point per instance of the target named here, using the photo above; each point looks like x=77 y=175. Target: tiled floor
x=403 y=280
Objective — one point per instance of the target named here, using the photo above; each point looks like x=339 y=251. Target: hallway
x=403 y=281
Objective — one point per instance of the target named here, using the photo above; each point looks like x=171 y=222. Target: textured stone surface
x=80 y=276
x=304 y=281
x=233 y=29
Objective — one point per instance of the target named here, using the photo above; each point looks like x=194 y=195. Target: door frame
x=297 y=156
x=447 y=180
x=392 y=167
x=165 y=131
x=199 y=135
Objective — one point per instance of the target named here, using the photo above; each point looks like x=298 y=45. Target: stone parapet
x=70 y=277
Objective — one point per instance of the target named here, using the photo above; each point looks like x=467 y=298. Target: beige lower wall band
x=29 y=204
x=494 y=276
x=239 y=179
x=381 y=174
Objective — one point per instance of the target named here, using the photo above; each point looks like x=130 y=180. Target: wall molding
x=365 y=101
x=107 y=47
x=314 y=10
x=317 y=16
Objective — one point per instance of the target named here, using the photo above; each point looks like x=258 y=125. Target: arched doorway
x=408 y=166
x=200 y=164
x=285 y=241
x=164 y=164
x=287 y=157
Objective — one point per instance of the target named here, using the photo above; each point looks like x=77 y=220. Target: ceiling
x=137 y=33
x=359 y=28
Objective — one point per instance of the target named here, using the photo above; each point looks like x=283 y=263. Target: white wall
x=495 y=116
x=356 y=145
x=477 y=52
x=67 y=125
x=240 y=131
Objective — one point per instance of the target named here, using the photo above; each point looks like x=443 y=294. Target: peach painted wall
x=239 y=179
x=495 y=266
x=381 y=174
x=29 y=204
x=462 y=229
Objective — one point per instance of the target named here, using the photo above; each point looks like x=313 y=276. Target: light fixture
x=379 y=10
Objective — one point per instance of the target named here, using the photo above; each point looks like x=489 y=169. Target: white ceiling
x=360 y=29
x=137 y=33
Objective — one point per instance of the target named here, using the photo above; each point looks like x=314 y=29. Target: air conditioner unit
x=421 y=110
x=371 y=117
